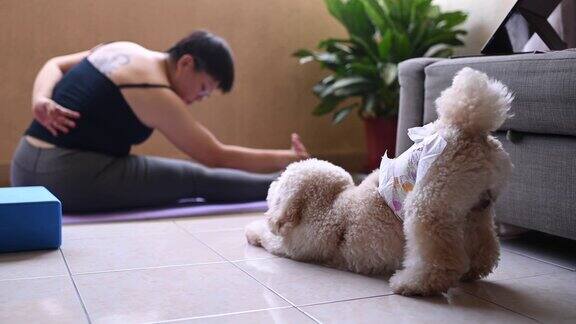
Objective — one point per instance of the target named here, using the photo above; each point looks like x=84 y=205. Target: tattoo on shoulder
x=108 y=64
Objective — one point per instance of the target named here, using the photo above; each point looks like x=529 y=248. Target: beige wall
x=271 y=98
x=483 y=19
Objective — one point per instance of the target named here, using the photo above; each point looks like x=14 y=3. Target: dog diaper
x=399 y=176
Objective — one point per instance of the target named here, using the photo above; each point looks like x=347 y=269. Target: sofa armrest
x=411 y=111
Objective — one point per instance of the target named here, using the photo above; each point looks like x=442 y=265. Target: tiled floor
x=200 y=270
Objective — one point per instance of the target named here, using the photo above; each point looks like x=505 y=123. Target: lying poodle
x=317 y=214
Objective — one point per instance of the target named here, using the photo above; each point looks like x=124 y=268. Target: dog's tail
x=474 y=103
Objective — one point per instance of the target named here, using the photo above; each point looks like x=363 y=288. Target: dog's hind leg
x=482 y=244
x=434 y=226
x=254 y=232
x=258 y=234
x=435 y=256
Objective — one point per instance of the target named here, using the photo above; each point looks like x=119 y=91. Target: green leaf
x=302 y=53
x=443 y=52
x=327 y=58
x=327 y=105
x=370 y=48
x=419 y=14
x=382 y=33
x=322 y=57
x=328 y=79
x=330 y=41
x=403 y=49
x=345 y=86
x=369 y=104
x=356 y=20
x=419 y=34
x=318 y=88
x=446 y=38
x=450 y=19
x=354 y=90
x=389 y=73
x=323 y=84
x=378 y=13
x=362 y=69
x=433 y=11
x=385 y=45
x=336 y=46
x=342 y=113
x=352 y=15
x=335 y=7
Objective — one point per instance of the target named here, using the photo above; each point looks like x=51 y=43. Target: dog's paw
x=253 y=238
x=469 y=277
x=413 y=283
x=402 y=284
x=252 y=233
x=481 y=266
x=476 y=274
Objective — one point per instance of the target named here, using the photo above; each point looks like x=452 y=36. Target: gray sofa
x=540 y=138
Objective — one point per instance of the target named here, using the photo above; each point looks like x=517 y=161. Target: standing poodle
x=317 y=214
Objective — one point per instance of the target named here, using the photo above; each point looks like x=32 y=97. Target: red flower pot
x=380 y=137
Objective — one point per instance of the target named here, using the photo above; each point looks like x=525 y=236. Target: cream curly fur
x=317 y=214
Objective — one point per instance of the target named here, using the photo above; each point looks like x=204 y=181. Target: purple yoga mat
x=166 y=212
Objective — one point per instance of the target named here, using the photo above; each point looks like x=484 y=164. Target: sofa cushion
x=544 y=87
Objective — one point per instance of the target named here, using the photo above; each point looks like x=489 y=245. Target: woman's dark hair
x=211 y=54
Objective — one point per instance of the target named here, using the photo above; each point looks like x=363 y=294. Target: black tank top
x=107 y=123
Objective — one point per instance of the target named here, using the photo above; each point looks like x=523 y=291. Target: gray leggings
x=89 y=181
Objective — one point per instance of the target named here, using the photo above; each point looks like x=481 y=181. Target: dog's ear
x=286 y=215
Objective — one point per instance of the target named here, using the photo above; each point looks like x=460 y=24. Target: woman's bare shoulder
x=117 y=46
x=125 y=62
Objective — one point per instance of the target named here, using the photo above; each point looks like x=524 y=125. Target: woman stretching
x=91 y=107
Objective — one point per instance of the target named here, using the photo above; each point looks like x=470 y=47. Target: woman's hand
x=53 y=116
x=298 y=148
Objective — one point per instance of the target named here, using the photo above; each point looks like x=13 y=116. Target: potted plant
x=382 y=33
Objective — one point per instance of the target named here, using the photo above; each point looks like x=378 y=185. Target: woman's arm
x=52 y=72
x=164 y=110
x=48 y=113
x=260 y=160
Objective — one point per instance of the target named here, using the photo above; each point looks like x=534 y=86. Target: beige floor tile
x=513 y=266
x=155 y=250
x=172 y=293
x=547 y=298
x=218 y=223
x=544 y=247
x=44 y=300
x=106 y=230
x=278 y=316
x=303 y=283
x=170 y=288
x=21 y=265
x=232 y=245
x=459 y=307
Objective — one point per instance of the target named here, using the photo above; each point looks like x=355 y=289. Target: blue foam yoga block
x=30 y=219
